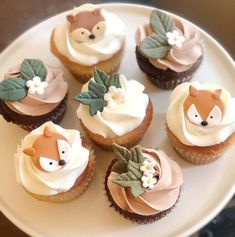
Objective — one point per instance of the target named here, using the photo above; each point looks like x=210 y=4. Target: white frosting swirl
x=43 y=183
x=90 y=54
x=192 y=134
x=120 y=119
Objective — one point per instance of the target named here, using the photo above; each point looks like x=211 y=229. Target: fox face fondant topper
x=204 y=108
x=50 y=151
x=87 y=26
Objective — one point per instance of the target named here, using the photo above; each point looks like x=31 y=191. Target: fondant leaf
x=114 y=81
x=131 y=178
x=93 y=98
x=101 y=77
x=121 y=153
x=13 y=89
x=120 y=167
x=31 y=68
x=155 y=47
x=161 y=22
x=137 y=155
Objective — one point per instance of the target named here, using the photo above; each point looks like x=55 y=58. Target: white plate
x=206 y=188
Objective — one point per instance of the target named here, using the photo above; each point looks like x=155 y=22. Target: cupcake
x=33 y=93
x=201 y=121
x=90 y=37
x=168 y=50
x=114 y=110
x=54 y=164
x=142 y=184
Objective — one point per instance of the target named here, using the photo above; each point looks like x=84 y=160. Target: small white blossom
x=36 y=86
x=148 y=166
x=174 y=38
x=114 y=96
x=148 y=181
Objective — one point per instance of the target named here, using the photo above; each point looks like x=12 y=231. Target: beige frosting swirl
x=162 y=197
x=178 y=59
x=34 y=104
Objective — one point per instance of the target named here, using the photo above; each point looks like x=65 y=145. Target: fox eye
x=214 y=116
x=48 y=165
x=211 y=117
x=193 y=115
x=65 y=150
x=82 y=33
x=97 y=27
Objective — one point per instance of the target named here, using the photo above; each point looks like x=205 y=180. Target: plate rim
x=8 y=211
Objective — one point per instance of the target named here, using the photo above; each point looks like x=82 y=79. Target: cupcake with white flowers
x=142 y=184
x=114 y=110
x=169 y=49
x=33 y=93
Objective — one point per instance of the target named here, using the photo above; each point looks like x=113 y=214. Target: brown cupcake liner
x=80 y=185
x=128 y=140
x=133 y=217
x=83 y=73
x=200 y=155
x=165 y=79
x=29 y=122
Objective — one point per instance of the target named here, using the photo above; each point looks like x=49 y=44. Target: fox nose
x=91 y=36
x=62 y=162
x=204 y=123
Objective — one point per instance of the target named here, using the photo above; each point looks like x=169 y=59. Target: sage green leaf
x=161 y=22
x=120 y=167
x=137 y=155
x=31 y=68
x=132 y=178
x=13 y=89
x=114 y=81
x=93 y=97
x=121 y=153
x=101 y=77
x=154 y=47
x=127 y=180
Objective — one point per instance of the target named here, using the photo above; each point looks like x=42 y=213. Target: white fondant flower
x=174 y=38
x=36 y=86
x=148 y=181
x=114 y=96
x=148 y=166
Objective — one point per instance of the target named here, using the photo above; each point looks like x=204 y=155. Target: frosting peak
x=178 y=59
x=89 y=35
x=196 y=123
x=42 y=173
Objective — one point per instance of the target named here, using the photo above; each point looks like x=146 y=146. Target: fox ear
x=97 y=12
x=47 y=132
x=193 y=91
x=217 y=93
x=71 y=18
x=30 y=151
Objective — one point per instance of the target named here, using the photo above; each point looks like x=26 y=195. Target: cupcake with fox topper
x=33 y=93
x=201 y=121
x=142 y=184
x=54 y=164
x=114 y=110
x=90 y=37
x=169 y=50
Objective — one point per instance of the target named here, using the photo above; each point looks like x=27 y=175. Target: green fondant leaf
x=13 y=89
x=137 y=155
x=114 y=81
x=155 y=47
x=132 y=178
x=161 y=23
x=121 y=153
x=101 y=77
x=31 y=68
x=120 y=167
x=93 y=98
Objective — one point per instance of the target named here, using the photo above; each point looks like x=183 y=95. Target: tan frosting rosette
x=144 y=181
x=33 y=88
x=169 y=42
